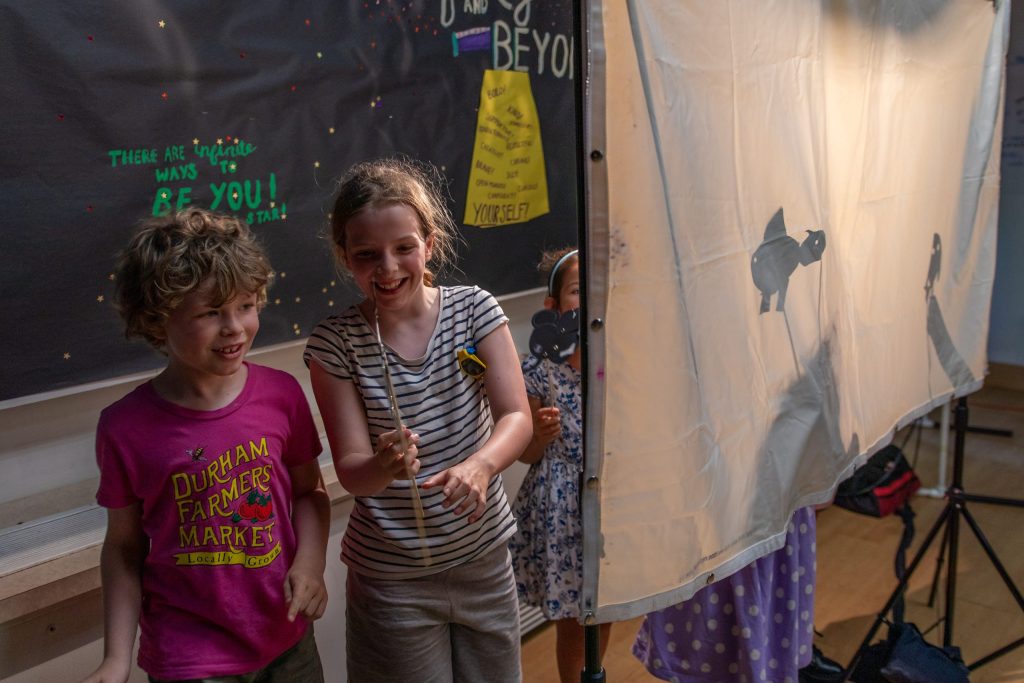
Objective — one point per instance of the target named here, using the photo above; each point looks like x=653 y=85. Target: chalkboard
x=115 y=111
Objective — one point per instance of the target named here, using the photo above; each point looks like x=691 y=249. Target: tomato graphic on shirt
x=256 y=507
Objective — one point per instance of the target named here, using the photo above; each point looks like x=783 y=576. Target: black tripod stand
x=956 y=507
x=592 y=672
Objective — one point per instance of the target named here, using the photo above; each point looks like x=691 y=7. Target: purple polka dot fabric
x=756 y=625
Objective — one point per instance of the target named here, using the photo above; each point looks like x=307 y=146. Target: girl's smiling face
x=387 y=255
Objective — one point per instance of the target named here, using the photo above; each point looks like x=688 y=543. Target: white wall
x=1006 y=326
x=47 y=466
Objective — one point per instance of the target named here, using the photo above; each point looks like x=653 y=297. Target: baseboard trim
x=1005 y=376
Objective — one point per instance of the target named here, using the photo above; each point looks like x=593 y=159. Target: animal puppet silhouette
x=777 y=257
x=934 y=266
x=953 y=364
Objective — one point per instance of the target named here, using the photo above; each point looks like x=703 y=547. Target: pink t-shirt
x=216 y=504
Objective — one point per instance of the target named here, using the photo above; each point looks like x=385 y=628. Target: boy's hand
x=109 y=671
x=390 y=456
x=465 y=485
x=547 y=424
x=305 y=593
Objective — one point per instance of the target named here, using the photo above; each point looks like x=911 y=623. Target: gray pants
x=457 y=626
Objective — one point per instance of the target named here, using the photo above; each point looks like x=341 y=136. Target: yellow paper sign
x=507 y=183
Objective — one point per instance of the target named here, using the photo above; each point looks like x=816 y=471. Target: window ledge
x=52 y=559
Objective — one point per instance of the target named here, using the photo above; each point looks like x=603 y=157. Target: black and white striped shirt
x=448 y=410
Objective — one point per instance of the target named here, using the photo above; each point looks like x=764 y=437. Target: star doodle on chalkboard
x=220 y=141
x=277 y=302
x=67 y=356
x=283 y=274
x=195 y=141
x=100 y=298
x=331 y=130
x=162 y=23
x=319 y=55
x=316 y=164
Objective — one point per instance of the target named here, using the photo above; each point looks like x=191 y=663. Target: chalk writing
x=177 y=167
x=514 y=45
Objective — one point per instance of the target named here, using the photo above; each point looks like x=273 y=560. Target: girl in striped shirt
x=430 y=590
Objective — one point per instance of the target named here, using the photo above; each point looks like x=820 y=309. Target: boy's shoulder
x=143 y=399
x=263 y=373
x=128 y=406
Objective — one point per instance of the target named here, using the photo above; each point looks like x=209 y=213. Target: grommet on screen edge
x=589 y=619
x=596 y=324
x=596 y=155
x=592 y=483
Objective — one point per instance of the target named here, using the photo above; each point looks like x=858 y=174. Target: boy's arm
x=361 y=470
x=547 y=426
x=125 y=547
x=466 y=484
x=304 y=588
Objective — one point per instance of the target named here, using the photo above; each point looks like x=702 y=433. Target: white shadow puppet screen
x=791 y=244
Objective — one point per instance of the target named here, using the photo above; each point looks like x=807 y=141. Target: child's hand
x=109 y=671
x=547 y=425
x=389 y=453
x=305 y=593
x=465 y=486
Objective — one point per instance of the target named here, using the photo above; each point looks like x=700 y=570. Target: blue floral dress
x=547 y=550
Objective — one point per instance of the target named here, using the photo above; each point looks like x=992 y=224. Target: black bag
x=906 y=657
x=881 y=486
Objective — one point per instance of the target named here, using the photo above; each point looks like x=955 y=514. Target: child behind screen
x=217 y=520
x=547 y=550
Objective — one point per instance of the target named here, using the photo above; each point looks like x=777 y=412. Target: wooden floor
x=855 y=561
